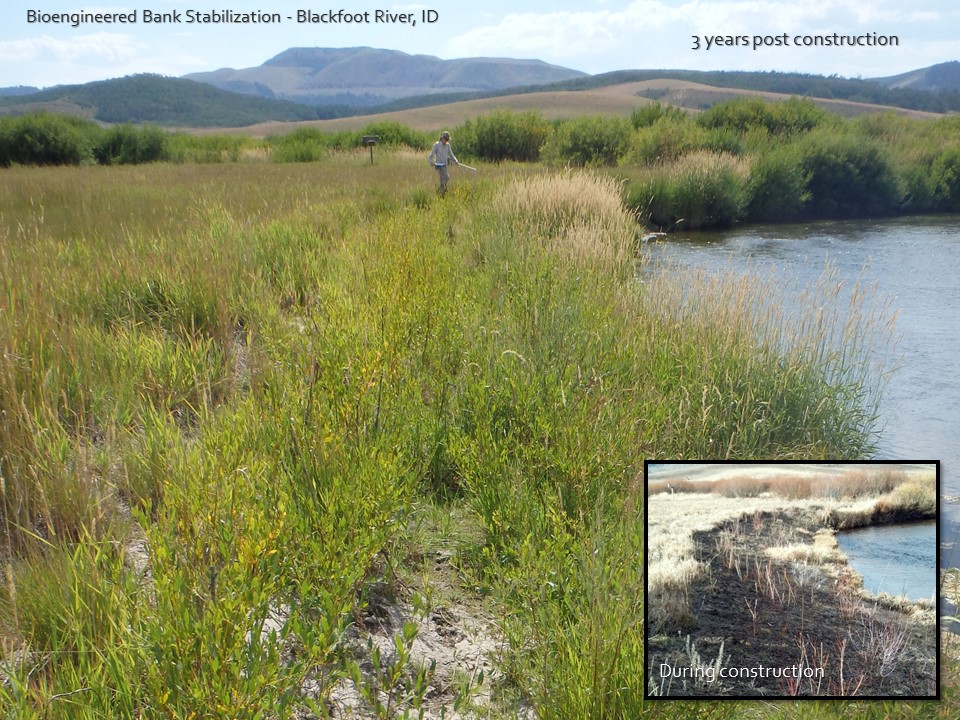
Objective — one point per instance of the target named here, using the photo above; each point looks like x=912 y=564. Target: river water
x=895 y=559
x=915 y=264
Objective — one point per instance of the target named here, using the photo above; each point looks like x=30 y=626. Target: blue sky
x=590 y=35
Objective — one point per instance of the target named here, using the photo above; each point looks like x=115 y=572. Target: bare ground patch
x=757 y=612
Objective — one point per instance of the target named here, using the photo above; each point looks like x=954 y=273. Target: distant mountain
x=368 y=77
x=161 y=100
x=18 y=90
x=180 y=102
x=945 y=76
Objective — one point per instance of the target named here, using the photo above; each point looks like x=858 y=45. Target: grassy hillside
x=552 y=105
x=938 y=78
x=264 y=424
x=814 y=86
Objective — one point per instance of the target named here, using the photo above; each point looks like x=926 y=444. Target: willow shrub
x=301 y=145
x=654 y=112
x=945 y=178
x=391 y=132
x=594 y=140
x=47 y=139
x=504 y=135
x=664 y=140
x=777 y=187
x=129 y=145
x=790 y=117
x=849 y=176
x=186 y=148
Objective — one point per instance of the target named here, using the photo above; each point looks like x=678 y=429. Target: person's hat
x=444 y=134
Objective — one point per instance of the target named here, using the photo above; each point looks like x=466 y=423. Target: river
x=915 y=263
x=895 y=559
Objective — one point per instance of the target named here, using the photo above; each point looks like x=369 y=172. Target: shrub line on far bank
x=744 y=160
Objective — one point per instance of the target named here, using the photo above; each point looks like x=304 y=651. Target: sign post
x=370 y=141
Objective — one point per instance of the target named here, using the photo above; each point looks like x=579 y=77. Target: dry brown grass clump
x=823 y=550
x=706 y=162
x=675 y=486
x=849 y=485
x=580 y=213
x=912 y=499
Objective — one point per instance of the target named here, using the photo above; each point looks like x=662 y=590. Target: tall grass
x=267 y=368
x=699 y=189
x=759 y=375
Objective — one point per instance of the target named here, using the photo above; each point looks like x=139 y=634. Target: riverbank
x=299 y=403
x=766 y=604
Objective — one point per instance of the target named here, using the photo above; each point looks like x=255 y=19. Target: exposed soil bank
x=765 y=620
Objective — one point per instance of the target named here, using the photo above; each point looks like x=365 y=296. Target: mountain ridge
x=368 y=76
x=186 y=103
x=935 y=78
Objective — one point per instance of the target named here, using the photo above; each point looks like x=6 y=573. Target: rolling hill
x=936 y=78
x=157 y=99
x=18 y=90
x=619 y=99
x=363 y=76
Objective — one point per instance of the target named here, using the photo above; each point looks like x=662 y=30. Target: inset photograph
x=792 y=580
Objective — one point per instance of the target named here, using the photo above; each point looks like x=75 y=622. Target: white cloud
x=658 y=33
x=44 y=61
x=98 y=48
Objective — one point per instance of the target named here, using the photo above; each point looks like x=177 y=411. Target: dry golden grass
x=705 y=163
x=917 y=496
x=853 y=484
x=580 y=214
x=694 y=96
x=824 y=549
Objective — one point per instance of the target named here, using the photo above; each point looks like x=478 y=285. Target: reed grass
x=697 y=189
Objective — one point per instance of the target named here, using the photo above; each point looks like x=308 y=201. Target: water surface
x=895 y=559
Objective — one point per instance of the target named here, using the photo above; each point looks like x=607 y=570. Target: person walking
x=440 y=158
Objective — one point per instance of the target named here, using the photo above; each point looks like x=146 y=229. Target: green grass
x=272 y=370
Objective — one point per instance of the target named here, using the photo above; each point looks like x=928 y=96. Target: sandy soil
x=456 y=638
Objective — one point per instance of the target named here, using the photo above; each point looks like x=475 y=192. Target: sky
x=593 y=36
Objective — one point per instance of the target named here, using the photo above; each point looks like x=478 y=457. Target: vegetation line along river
x=912 y=261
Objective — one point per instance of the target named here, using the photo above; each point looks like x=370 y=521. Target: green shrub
x=301 y=145
x=724 y=140
x=585 y=141
x=394 y=133
x=46 y=139
x=649 y=114
x=744 y=114
x=504 y=135
x=946 y=180
x=182 y=147
x=741 y=114
x=777 y=186
x=664 y=140
x=128 y=145
x=848 y=176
